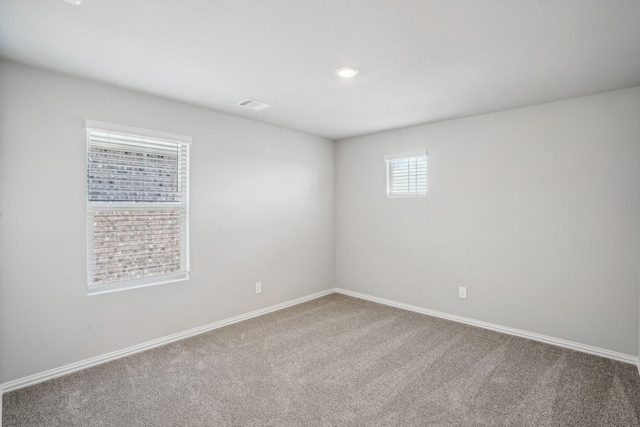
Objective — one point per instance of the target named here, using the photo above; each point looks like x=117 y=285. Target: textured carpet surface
x=339 y=361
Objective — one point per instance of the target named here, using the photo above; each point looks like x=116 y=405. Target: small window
x=407 y=175
x=137 y=207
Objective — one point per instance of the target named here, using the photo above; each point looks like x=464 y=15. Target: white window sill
x=134 y=284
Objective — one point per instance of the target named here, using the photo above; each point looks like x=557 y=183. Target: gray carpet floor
x=340 y=361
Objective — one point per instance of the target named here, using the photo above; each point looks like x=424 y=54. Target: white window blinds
x=137 y=207
x=129 y=169
x=407 y=175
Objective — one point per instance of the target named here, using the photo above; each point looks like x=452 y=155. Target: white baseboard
x=83 y=364
x=94 y=361
x=609 y=354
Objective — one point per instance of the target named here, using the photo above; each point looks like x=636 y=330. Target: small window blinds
x=407 y=175
x=137 y=207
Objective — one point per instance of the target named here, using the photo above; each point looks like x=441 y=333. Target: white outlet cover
x=462 y=292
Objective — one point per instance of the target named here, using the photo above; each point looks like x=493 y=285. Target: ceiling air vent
x=253 y=104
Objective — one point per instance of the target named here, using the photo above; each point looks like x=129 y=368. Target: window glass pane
x=121 y=173
x=135 y=244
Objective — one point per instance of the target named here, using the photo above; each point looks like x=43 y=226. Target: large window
x=137 y=207
x=407 y=175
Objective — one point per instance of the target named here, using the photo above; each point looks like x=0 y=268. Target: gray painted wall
x=534 y=210
x=262 y=209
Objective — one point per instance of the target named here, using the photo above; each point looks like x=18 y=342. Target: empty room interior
x=321 y=213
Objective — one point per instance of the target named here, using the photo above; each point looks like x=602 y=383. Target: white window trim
x=94 y=206
x=150 y=133
x=388 y=159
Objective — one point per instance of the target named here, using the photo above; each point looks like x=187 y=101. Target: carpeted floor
x=340 y=361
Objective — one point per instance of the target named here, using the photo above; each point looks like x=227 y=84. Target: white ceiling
x=420 y=60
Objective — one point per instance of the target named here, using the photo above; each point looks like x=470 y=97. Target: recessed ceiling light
x=347 y=72
x=74 y=2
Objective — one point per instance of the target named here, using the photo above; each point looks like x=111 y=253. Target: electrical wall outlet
x=462 y=292
x=258 y=288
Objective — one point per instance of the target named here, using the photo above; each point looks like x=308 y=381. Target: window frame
x=182 y=143
x=416 y=175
